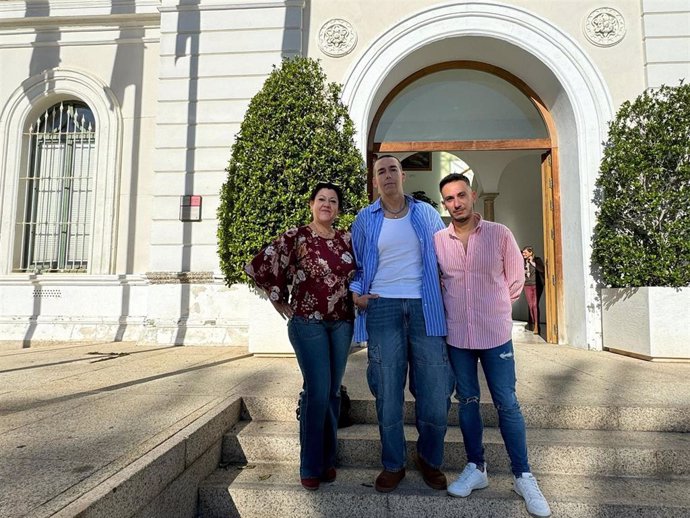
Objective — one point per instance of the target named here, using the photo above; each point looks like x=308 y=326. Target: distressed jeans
x=321 y=348
x=397 y=337
x=499 y=369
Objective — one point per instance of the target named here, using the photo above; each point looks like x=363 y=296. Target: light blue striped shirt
x=365 y=238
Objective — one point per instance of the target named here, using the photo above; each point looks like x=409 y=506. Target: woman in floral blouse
x=318 y=262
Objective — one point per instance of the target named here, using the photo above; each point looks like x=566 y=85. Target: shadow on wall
x=187 y=43
x=128 y=72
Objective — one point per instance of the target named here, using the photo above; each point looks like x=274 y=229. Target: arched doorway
x=476 y=111
x=558 y=68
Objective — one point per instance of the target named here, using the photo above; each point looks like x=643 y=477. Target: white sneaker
x=526 y=486
x=470 y=479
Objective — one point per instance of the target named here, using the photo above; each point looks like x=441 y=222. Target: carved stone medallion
x=337 y=38
x=605 y=27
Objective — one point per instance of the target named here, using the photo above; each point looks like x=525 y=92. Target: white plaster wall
x=666 y=26
x=213 y=58
x=72 y=308
x=370 y=19
x=205 y=314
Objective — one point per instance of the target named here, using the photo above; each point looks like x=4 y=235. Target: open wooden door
x=550 y=277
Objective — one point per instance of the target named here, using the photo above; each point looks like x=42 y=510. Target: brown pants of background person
x=533 y=304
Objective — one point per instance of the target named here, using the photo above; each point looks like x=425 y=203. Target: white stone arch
x=579 y=77
x=36 y=94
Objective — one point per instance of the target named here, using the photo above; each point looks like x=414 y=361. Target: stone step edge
x=606 y=439
x=142 y=476
x=537 y=415
x=565 y=493
x=636 y=454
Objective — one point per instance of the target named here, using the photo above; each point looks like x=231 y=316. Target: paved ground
x=70 y=413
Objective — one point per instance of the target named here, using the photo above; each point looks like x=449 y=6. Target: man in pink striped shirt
x=482 y=274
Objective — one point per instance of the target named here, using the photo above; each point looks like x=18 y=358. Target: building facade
x=117 y=118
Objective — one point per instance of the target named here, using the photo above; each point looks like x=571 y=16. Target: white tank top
x=399 y=274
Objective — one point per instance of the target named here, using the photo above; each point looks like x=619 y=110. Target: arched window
x=58 y=190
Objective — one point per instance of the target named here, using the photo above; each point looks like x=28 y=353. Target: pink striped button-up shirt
x=479 y=285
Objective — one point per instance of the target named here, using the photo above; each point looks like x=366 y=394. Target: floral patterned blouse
x=319 y=270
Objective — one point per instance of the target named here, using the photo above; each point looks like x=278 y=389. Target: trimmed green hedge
x=295 y=133
x=642 y=236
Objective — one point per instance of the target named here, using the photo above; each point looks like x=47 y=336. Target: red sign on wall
x=190 y=207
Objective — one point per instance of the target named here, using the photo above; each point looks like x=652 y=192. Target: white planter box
x=267 y=329
x=650 y=323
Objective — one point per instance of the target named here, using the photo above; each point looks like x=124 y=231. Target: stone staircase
x=591 y=461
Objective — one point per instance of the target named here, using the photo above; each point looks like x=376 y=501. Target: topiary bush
x=642 y=235
x=296 y=132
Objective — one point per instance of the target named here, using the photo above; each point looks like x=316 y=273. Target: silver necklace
x=395 y=212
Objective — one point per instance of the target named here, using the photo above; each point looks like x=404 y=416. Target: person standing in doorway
x=482 y=275
x=397 y=293
x=534 y=286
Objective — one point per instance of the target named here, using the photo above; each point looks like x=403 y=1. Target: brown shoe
x=434 y=478
x=387 y=481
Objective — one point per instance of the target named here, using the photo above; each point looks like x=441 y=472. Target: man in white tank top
x=397 y=293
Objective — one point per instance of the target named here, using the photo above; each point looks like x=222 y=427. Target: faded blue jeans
x=397 y=337
x=499 y=369
x=321 y=347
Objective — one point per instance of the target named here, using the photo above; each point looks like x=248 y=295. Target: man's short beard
x=462 y=220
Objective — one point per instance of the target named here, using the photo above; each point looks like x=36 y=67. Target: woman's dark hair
x=331 y=186
x=528 y=249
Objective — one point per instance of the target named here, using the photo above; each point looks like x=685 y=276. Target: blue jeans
x=397 y=336
x=499 y=369
x=321 y=348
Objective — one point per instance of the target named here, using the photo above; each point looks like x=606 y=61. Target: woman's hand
x=362 y=301
x=284 y=309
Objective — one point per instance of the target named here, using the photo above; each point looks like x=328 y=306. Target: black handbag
x=344 y=419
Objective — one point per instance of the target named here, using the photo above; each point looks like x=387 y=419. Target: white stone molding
x=62 y=10
x=580 y=78
x=224 y=5
x=36 y=94
x=604 y=27
x=337 y=38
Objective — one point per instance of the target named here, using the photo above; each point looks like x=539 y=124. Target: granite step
x=557 y=451
x=537 y=415
x=264 y=489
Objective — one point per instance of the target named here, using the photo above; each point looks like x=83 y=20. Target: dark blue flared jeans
x=321 y=348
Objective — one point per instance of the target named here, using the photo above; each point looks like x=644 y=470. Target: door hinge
x=553 y=279
x=553 y=234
